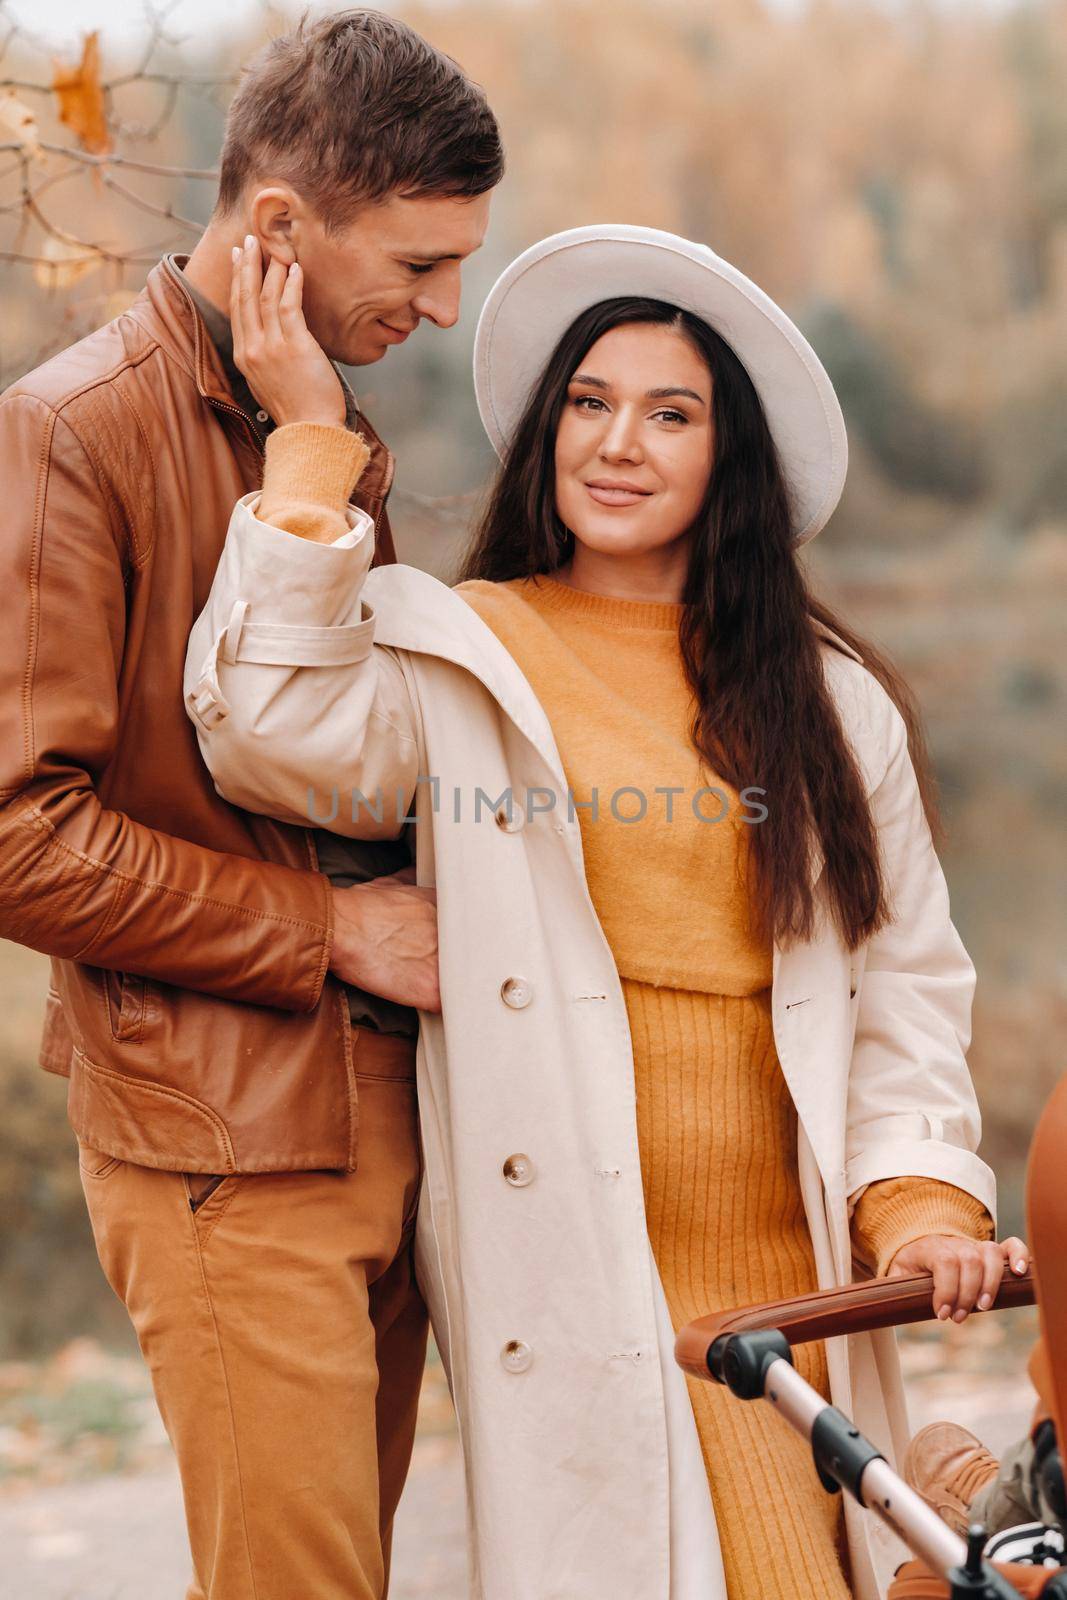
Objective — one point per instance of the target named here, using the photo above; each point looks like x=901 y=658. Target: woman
x=784 y=991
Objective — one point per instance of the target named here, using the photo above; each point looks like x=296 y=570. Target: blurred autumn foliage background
x=894 y=174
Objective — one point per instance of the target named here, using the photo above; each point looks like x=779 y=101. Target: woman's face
x=635 y=444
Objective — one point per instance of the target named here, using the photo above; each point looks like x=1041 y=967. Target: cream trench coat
x=583 y=1466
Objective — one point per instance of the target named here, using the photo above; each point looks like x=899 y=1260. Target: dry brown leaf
x=18 y=123
x=66 y=264
x=81 y=99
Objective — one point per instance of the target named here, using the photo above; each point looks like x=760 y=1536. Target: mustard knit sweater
x=667 y=862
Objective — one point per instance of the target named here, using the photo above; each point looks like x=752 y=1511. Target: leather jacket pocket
x=125 y=996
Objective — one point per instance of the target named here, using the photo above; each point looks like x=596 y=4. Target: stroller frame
x=759 y=1365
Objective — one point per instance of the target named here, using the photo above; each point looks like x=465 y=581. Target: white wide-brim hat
x=539 y=295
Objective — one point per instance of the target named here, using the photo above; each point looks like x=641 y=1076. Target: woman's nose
x=621 y=440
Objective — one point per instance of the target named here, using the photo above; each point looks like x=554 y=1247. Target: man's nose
x=441 y=303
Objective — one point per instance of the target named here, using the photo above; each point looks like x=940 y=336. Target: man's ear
x=273 y=216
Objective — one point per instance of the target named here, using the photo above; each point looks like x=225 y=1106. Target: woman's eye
x=419 y=267
x=590 y=402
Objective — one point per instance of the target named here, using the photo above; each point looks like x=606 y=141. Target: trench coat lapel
x=414 y=612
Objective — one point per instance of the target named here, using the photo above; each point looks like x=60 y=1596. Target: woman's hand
x=966 y=1272
x=287 y=369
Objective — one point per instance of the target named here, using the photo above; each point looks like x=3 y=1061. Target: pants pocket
x=389 y=1154
x=200 y=1186
x=96 y=1163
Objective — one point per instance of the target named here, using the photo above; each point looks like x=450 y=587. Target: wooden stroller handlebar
x=856 y=1308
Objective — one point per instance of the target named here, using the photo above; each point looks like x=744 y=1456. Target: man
x=238 y=1030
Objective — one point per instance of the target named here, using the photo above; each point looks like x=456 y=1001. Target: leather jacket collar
x=180 y=330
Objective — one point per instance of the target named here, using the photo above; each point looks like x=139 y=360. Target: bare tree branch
x=209 y=174
x=146 y=205
x=59 y=245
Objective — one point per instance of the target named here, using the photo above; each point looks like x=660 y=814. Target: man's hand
x=287 y=369
x=385 y=940
x=965 y=1271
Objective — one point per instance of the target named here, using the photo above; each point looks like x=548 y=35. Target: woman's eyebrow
x=651 y=394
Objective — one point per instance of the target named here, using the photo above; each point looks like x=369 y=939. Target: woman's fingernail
x=294 y=270
x=249 y=241
x=943 y=1313
x=235 y=253
x=1020 y=1266
x=984 y=1302
x=960 y=1315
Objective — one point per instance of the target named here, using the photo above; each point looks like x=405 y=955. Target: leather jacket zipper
x=235 y=411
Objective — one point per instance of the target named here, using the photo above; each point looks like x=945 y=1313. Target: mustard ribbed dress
x=716 y=1125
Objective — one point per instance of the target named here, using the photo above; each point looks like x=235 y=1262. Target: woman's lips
x=399 y=335
x=616 y=497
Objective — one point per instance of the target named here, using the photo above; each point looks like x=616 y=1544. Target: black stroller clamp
x=759 y=1366
x=842 y=1454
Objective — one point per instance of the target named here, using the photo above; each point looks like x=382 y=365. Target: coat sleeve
x=912 y=1109
x=299 y=714
x=80 y=880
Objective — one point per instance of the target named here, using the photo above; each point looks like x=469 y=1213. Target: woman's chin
x=616 y=540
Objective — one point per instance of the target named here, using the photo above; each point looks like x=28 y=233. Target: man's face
x=368 y=287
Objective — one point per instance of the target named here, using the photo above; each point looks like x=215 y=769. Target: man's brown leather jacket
x=191 y=1005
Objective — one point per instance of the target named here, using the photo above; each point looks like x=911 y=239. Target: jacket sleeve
x=912 y=1109
x=78 y=880
x=299 y=714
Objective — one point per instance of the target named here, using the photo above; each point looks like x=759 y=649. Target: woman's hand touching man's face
x=287 y=370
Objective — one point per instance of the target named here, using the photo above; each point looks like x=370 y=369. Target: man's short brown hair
x=353 y=108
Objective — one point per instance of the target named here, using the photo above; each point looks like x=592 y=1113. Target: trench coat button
x=519 y=1171
x=262 y=416
x=516 y=992
x=512 y=823
x=516 y=1356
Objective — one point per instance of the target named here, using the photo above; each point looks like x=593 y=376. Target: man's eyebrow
x=651 y=394
x=423 y=255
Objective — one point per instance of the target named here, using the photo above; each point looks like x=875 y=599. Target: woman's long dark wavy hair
x=764 y=715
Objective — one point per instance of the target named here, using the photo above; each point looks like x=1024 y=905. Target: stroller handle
x=855 y=1308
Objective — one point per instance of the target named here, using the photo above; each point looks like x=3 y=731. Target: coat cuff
x=290 y=580
x=922 y=1158
x=895 y=1211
